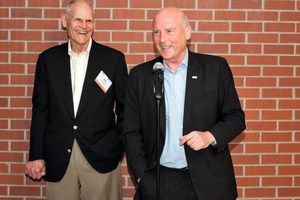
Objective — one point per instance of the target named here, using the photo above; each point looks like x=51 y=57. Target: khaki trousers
x=82 y=182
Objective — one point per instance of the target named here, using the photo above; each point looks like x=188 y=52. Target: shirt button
x=75 y=127
x=69 y=150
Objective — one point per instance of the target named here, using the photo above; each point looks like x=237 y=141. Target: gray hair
x=71 y=3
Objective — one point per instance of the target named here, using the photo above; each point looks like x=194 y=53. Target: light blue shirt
x=173 y=154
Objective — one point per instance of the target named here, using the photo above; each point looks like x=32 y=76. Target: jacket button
x=69 y=150
x=75 y=127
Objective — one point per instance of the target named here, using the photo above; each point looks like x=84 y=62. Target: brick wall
x=259 y=38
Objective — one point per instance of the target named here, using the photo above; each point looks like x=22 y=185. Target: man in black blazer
x=77 y=115
x=200 y=115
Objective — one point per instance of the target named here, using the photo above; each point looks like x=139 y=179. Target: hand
x=197 y=140
x=35 y=169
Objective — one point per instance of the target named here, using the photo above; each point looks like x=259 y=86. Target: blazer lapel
x=64 y=74
x=91 y=73
x=194 y=76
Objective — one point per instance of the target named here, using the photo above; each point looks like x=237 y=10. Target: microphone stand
x=158 y=104
x=158 y=93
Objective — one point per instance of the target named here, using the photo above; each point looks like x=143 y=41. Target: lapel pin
x=194 y=77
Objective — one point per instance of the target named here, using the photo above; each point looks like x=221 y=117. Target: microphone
x=158 y=69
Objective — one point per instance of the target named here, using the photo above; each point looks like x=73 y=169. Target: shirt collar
x=88 y=49
x=183 y=64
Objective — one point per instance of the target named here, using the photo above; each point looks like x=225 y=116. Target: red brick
x=213 y=48
x=288 y=170
x=12 y=3
x=56 y=36
x=230 y=15
x=260 y=82
x=288 y=192
x=26 y=13
x=276 y=136
x=246 y=48
x=277 y=93
x=12 y=46
x=260 y=192
x=290 y=38
x=246 y=4
x=39 y=46
x=25 y=191
x=12 y=23
x=279 y=27
x=262 y=126
x=278 y=71
x=248 y=181
x=279 y=5
x=180 y=3
x=26 y=35
x=260 y=148
x=19 y=146
x=245 y=160
x=4 y=79
x=39 y=4
x=4 y=12
x=111 y=4
x=11 y=135
x=11 y=91
x=277 y=115
x=289 y=60
x=9 y=113
x=54 y=13
x=289 y=148
x=263 y=15
x=213 y=4
x=22 y=79
x=263 y=38
x=144 y=4
x=246 y=27
x=260 y=170
x=43 y=24
x=276 y=159
x=130 y=14
x=263 y=60
x=214 y=26
x=277 y=181
x=20 y=124
x=130 y=36
x=278 y=49
x=11 y=179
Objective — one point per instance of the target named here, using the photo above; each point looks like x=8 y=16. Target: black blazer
x=211 y=103
x=53 y=125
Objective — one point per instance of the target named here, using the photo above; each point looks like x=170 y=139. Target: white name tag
x=103 y=81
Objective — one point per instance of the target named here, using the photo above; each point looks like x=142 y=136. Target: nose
x=83 y=24
x=162 y=37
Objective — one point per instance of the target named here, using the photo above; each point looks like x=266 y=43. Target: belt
x=174 y=169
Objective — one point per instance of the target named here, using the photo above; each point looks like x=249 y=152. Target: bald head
x=171 y=31
x=172 y=12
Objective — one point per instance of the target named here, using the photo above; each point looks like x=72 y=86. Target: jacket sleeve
x=132 y=130
x=231 y=118
x=40 y=111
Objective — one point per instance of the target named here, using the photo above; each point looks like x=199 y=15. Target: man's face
x=170 y=36
x=79 y=24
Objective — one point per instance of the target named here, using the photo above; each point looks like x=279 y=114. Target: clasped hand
x=35 y=169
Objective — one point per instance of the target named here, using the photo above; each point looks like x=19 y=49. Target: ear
x=64 y=20
x=188 y=32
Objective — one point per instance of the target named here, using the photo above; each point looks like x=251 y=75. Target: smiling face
x=79 y=23
x=170 y=34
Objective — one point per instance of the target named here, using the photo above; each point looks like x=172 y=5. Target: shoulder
x=145 y=68
x=106 y=50
x=58 y=49
x=206 y=58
